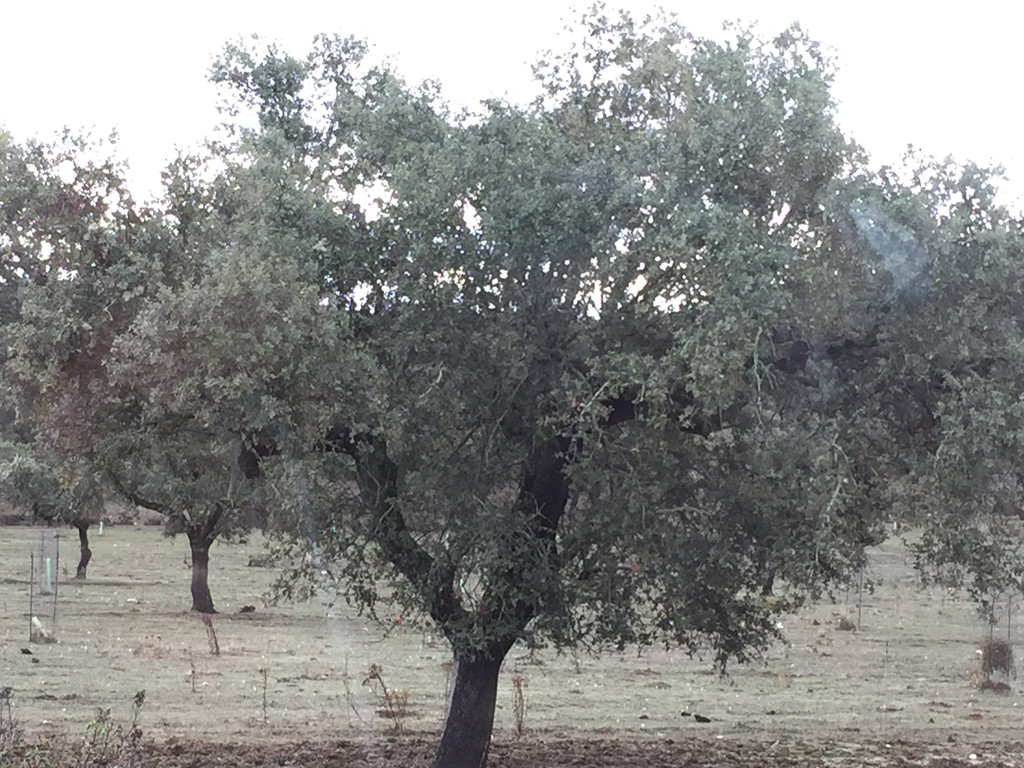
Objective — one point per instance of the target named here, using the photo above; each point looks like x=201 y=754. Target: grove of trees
x=597 y=371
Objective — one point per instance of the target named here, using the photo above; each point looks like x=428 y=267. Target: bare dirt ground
x=287 y=687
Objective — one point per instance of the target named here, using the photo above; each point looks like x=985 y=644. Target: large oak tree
x=589 y=324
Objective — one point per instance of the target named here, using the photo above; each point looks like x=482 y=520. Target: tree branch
x=377 y=477
x=136 y=498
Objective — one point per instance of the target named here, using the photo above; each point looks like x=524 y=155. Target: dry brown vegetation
x=901 y=688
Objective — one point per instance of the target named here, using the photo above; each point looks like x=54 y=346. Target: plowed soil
x=287 y=686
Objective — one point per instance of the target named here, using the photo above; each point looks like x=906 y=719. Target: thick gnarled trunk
x=470 y=718
x=85 y=554
x=202 y=600
x=542 y=499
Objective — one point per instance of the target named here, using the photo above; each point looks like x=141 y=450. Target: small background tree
x=68 y=495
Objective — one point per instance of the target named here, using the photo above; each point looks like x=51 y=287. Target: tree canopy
x=600 y=370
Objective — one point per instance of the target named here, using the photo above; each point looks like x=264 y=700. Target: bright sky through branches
x=909 y=72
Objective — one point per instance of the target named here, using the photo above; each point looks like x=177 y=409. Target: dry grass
x=128 y=626
x=394 y=703
x=10 y=729
x=106 y=742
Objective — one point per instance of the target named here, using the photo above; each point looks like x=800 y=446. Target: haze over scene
x=908 y=72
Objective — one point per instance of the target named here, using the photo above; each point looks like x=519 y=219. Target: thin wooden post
x=860 y=596
x=56 y=583
x=31 y=590
x=1009 y=607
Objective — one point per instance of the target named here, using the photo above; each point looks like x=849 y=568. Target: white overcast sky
x=940 y=76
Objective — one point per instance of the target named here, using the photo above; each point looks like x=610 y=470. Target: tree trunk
x=470 y=717
x=202 y=601
x=85 y=554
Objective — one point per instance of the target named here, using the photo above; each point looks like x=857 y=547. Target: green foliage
x=578 y=417
x=192 y=342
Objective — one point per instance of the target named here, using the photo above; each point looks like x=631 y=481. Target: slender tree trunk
x=202 y=601
x=85 y=554
x=470 y=718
